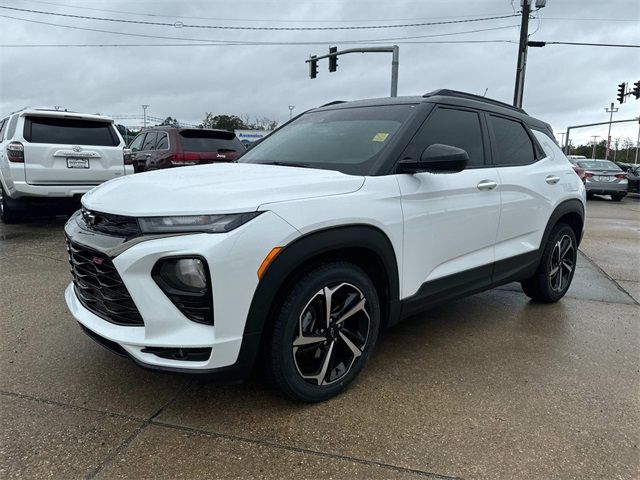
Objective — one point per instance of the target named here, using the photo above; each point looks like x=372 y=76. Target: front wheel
x=557 y=266
x=324 y=332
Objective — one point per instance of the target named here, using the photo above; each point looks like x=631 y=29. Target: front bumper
x=233 y=260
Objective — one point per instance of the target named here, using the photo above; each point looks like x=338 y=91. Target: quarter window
x=513 y=144
x=3 y=127
x=458 y=128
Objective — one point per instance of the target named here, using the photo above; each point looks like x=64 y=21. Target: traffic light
x=313 y=66
x=622 y=90
x=636 y=90
x=333 y=60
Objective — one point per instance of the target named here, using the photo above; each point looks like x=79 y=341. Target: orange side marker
x=267 y=261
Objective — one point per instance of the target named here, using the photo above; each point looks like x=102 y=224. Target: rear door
x=71 y=150
x=210 y=145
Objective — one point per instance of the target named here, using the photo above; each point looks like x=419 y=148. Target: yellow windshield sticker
x=380 y=137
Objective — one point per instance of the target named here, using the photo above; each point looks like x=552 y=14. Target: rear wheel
x=590 y=196
x=617 y=198
x=9 y=213
x=324 y=332
x=557 y=266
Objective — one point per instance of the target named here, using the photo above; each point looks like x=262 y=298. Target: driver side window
x=136 y=145
x=448 y=126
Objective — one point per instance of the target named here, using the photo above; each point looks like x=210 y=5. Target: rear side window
x=209 y=141
x=149 y=141
x=458 y=128
x=58 y=130
x=513 y=144
x=163 y=141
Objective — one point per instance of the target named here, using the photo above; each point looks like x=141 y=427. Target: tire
x=590 y=196
x=308 y=361
x=545 y=286
x=617 y=198
x=8 y=211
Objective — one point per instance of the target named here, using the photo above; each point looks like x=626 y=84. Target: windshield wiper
x=287 y=164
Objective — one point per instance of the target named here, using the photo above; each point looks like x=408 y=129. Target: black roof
x=450 y=97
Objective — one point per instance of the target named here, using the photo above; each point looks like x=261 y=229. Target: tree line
x=620 y=150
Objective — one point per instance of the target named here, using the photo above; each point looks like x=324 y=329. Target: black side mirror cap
x=436 y=158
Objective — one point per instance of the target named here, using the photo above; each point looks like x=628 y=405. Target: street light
x=593 y=152
x=291 y=107
x=144 y=116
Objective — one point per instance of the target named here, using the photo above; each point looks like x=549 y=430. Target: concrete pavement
x=492 y=386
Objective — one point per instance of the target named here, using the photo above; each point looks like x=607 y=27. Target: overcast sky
x=565 y=85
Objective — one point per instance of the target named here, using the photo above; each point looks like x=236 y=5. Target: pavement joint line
x=33 y=255
x=609 y=277
x=70 y=405
x=266 y=443
x=127 y=441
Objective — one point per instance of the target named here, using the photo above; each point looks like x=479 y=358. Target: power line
x=234 y=42
x=231 y=27
x=261 y=20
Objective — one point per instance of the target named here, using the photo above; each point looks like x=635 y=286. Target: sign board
x=251 y=135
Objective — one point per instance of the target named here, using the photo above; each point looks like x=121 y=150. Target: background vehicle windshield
x=598 y=165
x=348 y=139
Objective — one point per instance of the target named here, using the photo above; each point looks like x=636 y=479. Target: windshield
x=348 y=140
x=598 y=165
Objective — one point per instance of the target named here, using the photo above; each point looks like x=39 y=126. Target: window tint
x=3 y=127
x=58 y=130
x=136 y=145
x=513 y=144
x=458 y=128
x=163 y=141
x=210 y=141
x=149 y=141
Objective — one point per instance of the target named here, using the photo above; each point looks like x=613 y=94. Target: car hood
x=216 y=188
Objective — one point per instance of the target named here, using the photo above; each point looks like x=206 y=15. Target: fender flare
x=568 y=206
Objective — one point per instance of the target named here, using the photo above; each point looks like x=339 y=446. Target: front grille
x=107 y=223
x=100 y=288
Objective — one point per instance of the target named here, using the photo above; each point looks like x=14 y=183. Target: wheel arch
x=365 y=245
x=570 y=212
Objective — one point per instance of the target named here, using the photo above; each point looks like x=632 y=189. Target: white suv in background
x=48 y=154
x=342 y=222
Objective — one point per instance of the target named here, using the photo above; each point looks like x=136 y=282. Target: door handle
x=485 y=185
x=552 y=179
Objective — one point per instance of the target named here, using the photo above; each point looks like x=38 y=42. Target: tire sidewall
x=288 y=318
x=558 y=232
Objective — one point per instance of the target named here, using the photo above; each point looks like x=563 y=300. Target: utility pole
x=637 y=142
x=291 y=107
x=521 y=67
x=610 y=111
x=144 y=116
x=593 y=152
x=562 y=140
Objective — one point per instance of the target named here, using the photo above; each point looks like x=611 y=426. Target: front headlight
x=195 y=223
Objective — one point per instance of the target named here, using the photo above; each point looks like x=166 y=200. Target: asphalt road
x=492 y=386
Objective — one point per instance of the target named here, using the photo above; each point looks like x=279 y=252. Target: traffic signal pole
x=522 y=55
x=567 y=140
x=334 y=54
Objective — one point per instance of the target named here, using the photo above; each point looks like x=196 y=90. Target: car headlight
x=195 y=223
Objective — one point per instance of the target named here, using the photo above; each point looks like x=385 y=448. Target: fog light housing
x=187 y=283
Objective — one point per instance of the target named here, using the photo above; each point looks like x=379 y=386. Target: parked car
x=48 y=155
x=344 y=221
x=604 y=178
x=166 y=147
x=633 y=179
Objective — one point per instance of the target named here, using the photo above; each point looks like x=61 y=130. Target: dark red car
x=167 y=147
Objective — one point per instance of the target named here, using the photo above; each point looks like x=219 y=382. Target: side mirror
x=437 y=158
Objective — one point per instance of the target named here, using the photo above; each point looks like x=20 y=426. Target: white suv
x=347 y=219
x=49 y=154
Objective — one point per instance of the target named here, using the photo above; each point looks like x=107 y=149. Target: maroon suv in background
x=167 y=147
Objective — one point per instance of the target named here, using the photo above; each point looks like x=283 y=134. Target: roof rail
x=335 y=102
x=470 y=96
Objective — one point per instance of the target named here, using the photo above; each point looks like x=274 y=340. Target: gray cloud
x=564 y=85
